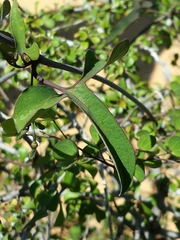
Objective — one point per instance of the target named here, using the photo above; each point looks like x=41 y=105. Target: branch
x=43 y=60
x=13 y=194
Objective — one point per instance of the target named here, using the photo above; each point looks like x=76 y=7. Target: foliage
x=59 y=174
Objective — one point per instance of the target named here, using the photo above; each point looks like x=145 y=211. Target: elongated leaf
x=5 y=8
x=18 y=31
x=112 y=135
x=124 y=23
x=93 y=65
x=32 y=103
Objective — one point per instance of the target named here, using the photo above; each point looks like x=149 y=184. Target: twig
x=13 y=194
x=107 y=200
x=7 y=76
x=9 y=149
x=48 y=226
x=16 y=163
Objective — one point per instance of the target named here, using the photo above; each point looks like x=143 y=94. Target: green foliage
x=61 y=177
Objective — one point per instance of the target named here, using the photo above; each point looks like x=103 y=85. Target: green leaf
x=153 y=163
x=71 y=195
x=52 y=206
x=139 y=170
x=41 y=161
x=37 y=216
x=174 y=145
x=91 y=169
x=9 y=127
x=176 y=88
x=65 y=150
x=146 y=142
x=18 y=31
x=93 y=65
x=124 y=23
x=60 y=218
x=6 y=7
x=45 y=197
x=100 y=214
x=7 y=51
x=32 y=103
x=35 y=188
x=147 y=210
x=94 y=134
x=111 y=133
x=69 y=180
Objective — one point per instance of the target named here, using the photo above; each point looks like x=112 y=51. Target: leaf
x=52 y=206
x=71 y=195
x=60 y=218
x=111 y=133
x=94 y=134
x=153 y=163
x=6 y=51
x=9 y=127
x=18 y=31
x=146 y=142
x=65 y=150
x=176 y=88
x=45 y=197
x=32 y=103
x=139 y=170
x=6 y=7
x=93 y=65
x=69 y=180
x=91 y=169
x=37 y=216
x=174 y=145
x=124 y=23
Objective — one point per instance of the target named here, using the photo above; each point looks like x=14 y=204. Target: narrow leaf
x=93 y=65
x=112 y=135
x=18 y=31
x=124 y=23
x=6 y=7
x=32 y=103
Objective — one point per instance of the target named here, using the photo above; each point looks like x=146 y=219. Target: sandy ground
x=45 y=4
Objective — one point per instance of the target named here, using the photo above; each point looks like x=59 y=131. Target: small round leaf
x=65 y=150
x=146 y=142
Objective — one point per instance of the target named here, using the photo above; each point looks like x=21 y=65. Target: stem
x=107 y=201
x=42 y=60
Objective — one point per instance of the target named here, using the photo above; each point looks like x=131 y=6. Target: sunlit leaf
x=18 y=31
x=94 y=134
x=174 y=145
x=65 y=150
x=139 y=170
x=112 y=135
x=93 y=65
x=9 y=127
x=146 y=142
x=32 y=103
